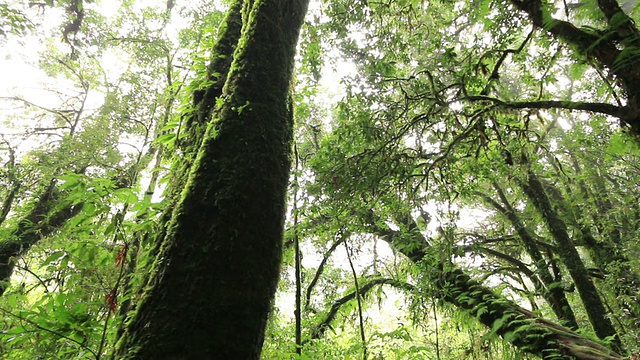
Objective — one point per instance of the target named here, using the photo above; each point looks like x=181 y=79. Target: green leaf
x=54 y=257
x=70 y=180
x=126 y=195
x=166 y=139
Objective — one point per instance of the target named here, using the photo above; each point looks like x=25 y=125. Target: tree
x=223 y=246
x=67 y=220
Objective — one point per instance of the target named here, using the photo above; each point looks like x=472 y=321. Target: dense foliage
x=464 y=177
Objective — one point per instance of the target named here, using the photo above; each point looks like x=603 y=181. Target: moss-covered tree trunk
x=505 y=318
x=212 y=286
x=569 y=255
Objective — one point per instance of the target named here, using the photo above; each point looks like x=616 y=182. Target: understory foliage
x=464 y=178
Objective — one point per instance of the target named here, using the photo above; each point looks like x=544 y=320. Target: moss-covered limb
x=507 y=319
x=607 y=51
x=217 y=273
x=570 y=257
x=321 y=328
x=629 y=114
x=619 y=22
x=8 y=200
x=46 y=216
x=520 y=327
x=601 y=108
x=14 y=183
x=554 y=295
x=204 y=100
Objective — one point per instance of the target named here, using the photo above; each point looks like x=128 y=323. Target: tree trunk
x=516 y=325
x=569 y=255
x=554 y=295
x=213 y=283
x=608 y=254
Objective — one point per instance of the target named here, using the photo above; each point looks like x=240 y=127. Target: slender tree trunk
x=567 y=251
x=213 y=283
x=298 y=257
x=554 y=295
x=608 y=254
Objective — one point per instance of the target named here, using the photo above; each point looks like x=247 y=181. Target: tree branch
x=619 y=22
x=318 y=331
x=320 y=270
x=602 y=108
x=515 y=324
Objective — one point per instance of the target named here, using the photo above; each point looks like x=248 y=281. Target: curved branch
x=8 y=201
x=516 y=264
x=63 y=114
x=51 y=331
x=588 y=43
x=319 y=330
x=619 y=22
x=46 y=217
x=358 y=295
x=320 y=270
x=604 y=47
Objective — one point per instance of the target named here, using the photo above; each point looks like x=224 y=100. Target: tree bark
x=215 y=277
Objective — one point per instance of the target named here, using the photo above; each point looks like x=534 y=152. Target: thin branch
x=42 y=282
x=61 y=113
x=602 y=108
x=318 y=273
x=358 y=296
x=522 y=267
x=319 y=330
x=495 y=74
x=56 y=333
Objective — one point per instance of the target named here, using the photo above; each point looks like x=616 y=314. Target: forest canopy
x=334 y=179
